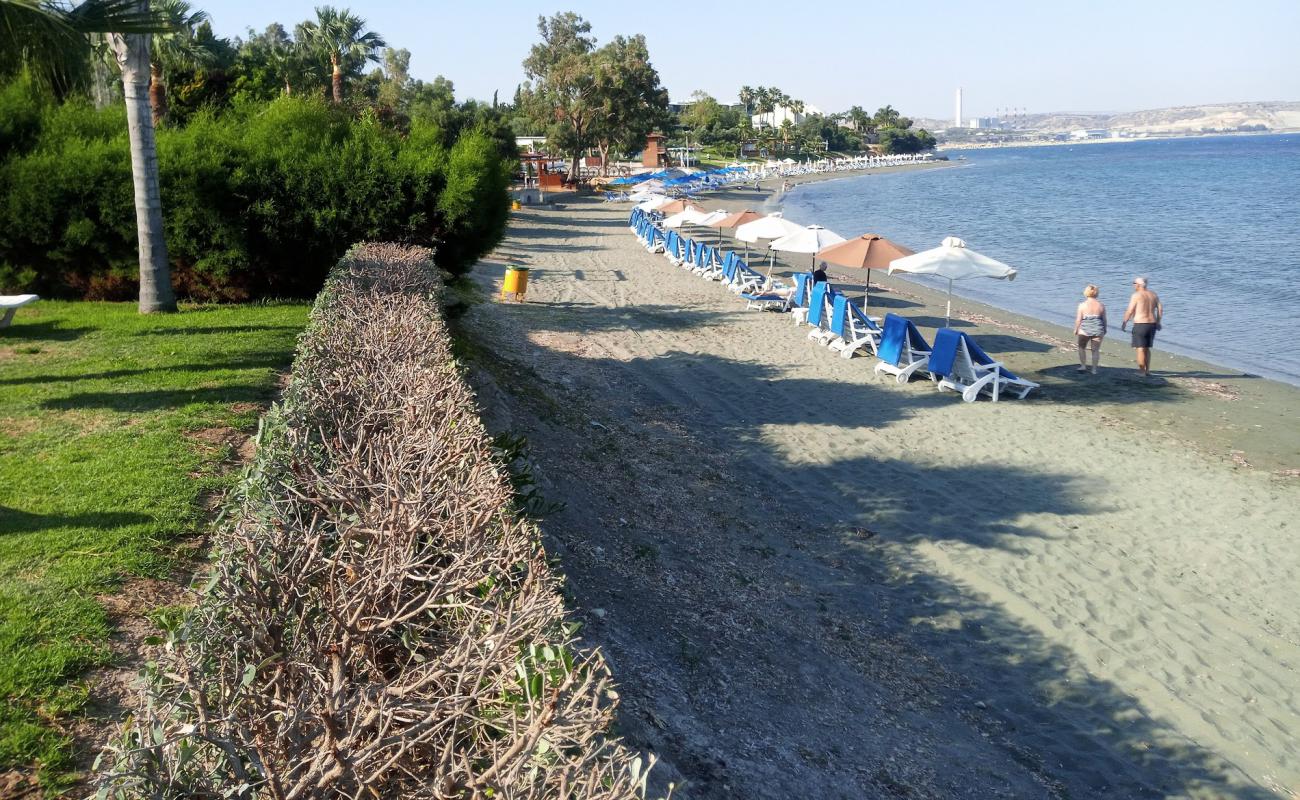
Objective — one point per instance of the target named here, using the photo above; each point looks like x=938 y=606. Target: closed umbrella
x=812 y=239
x=868 y=251
x=955 y=261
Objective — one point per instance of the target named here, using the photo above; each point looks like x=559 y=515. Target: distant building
x=1090 y=133
x=982 y=123
x=530 y=144
x=780 y=114
x=655 y=153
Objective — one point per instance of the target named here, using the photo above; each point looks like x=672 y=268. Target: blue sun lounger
x=819 y=312
x=803 y=283
x=851 y=328
x=959 y=364
x=902 y=350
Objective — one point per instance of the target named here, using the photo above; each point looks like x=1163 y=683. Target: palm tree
x=177 y=48
x=341 y=35
x=53 y=41
x=746 y=98
x=133 y=50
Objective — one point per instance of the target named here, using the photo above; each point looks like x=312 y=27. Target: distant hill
x=1277 y=116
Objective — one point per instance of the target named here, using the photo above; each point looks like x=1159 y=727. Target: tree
x=133 y=50
x=561 y=94
x=52 y=40
x=746 y=98
x=340 y=35
x=887 y=117
x=631 y=102
x=397 y=77
x=179 y=47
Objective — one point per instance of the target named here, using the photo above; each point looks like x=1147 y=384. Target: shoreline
x=1257 y=435
x=1108 y=140
x=1193 y=355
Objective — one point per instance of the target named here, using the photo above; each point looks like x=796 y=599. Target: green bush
x=257 y=201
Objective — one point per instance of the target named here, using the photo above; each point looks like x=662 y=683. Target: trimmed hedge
x=259 y=201
x=378 y=620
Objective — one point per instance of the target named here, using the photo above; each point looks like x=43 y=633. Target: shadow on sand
x=812 y=559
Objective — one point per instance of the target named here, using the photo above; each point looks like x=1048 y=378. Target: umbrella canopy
x=712 y=220
x=689 y=216
x=654 y=202
x=953 y=260
x=737 y=219
x=811 y=239
x=868 y=251
x=674 y=206
x=773 y=226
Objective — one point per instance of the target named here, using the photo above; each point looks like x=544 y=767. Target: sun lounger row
x=955 y=361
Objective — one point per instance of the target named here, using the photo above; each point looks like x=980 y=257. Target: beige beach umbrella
x=955 y=261
x=812 y=239
x=868 y=251
x=735 y=220
x=674 y=206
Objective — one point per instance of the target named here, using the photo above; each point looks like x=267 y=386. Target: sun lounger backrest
x=802 y=281
x=817 y=303
x=893 y=340
x=839 y=314
x=943 y=357
x=861 y=317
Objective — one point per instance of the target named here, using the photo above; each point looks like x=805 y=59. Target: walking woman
x=1090 y=327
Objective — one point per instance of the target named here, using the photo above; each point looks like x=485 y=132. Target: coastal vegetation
x=376 y=577
x=273 y=154
x=753 y=124
x=608 y=98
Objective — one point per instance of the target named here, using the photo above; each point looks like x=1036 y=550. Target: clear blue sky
x=1085 y=56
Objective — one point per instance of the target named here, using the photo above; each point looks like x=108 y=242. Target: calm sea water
x=1213 y=222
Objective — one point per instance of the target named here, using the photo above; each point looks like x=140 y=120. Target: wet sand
x=811 y=581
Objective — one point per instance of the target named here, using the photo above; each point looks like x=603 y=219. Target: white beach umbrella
x=716 y=216
x=654 y=201
x=955 y=261
x=689 y=216
x=806 y=240
x=773 y=226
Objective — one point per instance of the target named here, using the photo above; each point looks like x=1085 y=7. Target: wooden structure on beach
x=655 y=153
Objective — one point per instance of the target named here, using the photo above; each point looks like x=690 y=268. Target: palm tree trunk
x=132 y=51
x=157 y=95
x=337 y=78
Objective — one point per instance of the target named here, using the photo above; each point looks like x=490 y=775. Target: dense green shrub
x=257 y=201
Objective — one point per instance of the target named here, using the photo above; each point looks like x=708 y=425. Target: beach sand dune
x=812 y=582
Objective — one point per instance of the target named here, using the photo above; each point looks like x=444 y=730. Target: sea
x=1213 y=222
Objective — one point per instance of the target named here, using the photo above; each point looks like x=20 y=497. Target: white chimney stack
x=956 y=123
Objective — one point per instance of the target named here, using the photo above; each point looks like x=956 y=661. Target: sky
x=1085 y=56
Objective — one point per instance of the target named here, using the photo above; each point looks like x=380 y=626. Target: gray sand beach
x=811 y=581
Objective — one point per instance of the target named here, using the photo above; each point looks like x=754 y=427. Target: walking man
x=1145 y=311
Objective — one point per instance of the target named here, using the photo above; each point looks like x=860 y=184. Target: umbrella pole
x=866 y=290
x=771 y=262
x=948 y=317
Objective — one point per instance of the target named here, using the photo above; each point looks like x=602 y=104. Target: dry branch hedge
x=377 y=621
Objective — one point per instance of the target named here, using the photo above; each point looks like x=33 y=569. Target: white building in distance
x=780 y=114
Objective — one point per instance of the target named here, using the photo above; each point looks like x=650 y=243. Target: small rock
x=599 y=612
x=981 y=704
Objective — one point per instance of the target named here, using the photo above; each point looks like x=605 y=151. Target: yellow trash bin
x=515 y=282
x=515 y=205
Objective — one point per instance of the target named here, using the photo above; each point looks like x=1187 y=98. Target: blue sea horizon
x=1210 y=220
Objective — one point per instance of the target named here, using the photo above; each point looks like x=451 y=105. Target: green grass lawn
x=100 y=473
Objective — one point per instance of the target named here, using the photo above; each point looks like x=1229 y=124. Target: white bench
x=9 y=303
